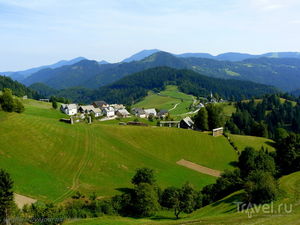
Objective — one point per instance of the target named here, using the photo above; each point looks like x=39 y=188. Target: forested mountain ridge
x=21 y=75
x=133 y=88
x=280 y=72
x=17 y=88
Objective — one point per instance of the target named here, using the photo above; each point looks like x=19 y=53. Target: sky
x=42 y=32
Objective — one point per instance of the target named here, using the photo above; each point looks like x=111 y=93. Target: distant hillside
x=17 y=88
x=21 y=75
x=43 y=89
x=280 y=72
x=141 y=55
x=132 y=88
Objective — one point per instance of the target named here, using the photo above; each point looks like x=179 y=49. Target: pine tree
x=201 y=119
x=6 y=195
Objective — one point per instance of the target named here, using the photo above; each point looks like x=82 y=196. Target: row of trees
x=144 y=200
x=10 y=104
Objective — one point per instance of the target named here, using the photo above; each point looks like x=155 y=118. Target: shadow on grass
x=124 y=190
x=272 y=144
x=233 y=163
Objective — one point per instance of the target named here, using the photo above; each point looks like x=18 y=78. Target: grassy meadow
x=243 y=141
x=167 y=99
x=50 y=160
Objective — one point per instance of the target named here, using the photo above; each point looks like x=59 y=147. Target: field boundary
x=198 y=168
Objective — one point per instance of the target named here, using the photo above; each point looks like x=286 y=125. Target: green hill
x=51 y=160
x=170 y=99
x=225 y=211
x=242 y=141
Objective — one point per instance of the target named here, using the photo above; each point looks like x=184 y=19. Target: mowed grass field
x=243 y=141
x=167 y=99
x=225 y=211
x=50 y=160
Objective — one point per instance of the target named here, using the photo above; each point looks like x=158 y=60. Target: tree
x=182 y=199
x=145 y=200
x=54 y=104
x=144 y=175
x=6 y=195
x=251 y=160
x=260 y=188
x=215 y=118
x=201 y=119
x=7 y=101
x=288 y=154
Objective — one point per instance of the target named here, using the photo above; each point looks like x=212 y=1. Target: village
x=102 y=111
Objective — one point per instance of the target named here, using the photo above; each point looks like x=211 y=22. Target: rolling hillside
x=225 y=211
x=51 y=160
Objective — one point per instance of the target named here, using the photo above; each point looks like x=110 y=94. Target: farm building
x=162 y=114
x=122 y=113
x=138 y=112
x=169 y=124
x=218 y=131
x=69 y=109
x=100 y=104
x=187 y=123
x=109 y=111
x=87 y=109
x=150 y=112
x=117 y=106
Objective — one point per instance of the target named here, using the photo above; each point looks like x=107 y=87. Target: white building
x=87 y=109
x=122 y=113
x=109 y=111
x=150 y=112
x=69 y=109
x=138 y=112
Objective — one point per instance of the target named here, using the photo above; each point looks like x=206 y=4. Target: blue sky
x=40 y=32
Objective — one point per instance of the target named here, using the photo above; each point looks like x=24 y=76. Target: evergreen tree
x=54 y=104
x=215 y=118
x=201 y=119
x=6 y=195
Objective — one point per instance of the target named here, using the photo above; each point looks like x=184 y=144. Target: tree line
x=266 y=117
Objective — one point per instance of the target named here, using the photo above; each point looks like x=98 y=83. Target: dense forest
x=266 y=117
x=17 y=88
x=134 y=87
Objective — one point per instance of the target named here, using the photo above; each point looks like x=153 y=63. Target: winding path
x=174 y=107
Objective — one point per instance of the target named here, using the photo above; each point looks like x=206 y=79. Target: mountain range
x=281 y=69
x=229 y=56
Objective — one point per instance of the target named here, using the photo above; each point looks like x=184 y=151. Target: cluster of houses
x=101 y=108
x=98 y=108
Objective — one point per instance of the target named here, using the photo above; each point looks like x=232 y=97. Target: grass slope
x=49 y=159
x=167 y=99
x=243 y=141
x=225 y=211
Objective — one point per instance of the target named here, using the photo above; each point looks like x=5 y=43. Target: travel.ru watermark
x=267 y=209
